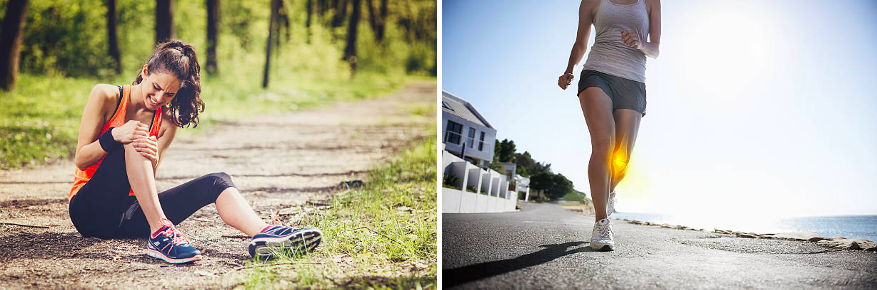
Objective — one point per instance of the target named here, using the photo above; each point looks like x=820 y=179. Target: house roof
x=459 y=107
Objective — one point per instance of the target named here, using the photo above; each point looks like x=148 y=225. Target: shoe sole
x=604 y=248
x=303 y=241
x=159 y=255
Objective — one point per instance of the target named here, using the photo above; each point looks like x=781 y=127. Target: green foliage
x=41 y=119
x=541 y=177
x=67 y=37
x=574 y=196
x=504 y=151
x=384 y=228
x=64 y=54
x=70 y=38
x=496 y=166
x=450 y=181
x=554 y=185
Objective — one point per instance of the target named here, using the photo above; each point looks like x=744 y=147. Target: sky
x=765 y=107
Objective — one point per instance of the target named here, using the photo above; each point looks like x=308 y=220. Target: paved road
x=546 y=247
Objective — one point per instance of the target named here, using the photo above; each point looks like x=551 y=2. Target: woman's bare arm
x=88 y=149
x=586 y=18
x=652 y=47
x=582 y=35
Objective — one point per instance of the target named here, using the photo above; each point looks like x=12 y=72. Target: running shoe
x=170 y=245
x=276 y=240
x=602 y=237
x=611 y=208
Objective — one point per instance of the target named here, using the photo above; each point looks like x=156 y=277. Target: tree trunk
x=372 y=17
x=10 y=42
x=340 y=13
x=112 y=35
x=382 y=25
x=272 y=23
x=212 y=24
x=350 y=50
x=284 y=17
x=164 y=20
x=322 y=7
x=377 y=20
x=310 y=9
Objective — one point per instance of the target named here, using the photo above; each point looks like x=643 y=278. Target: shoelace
x=605 y=231
x=177 y=238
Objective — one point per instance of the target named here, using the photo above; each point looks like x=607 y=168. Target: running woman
x=124 y=133
x=612 y=92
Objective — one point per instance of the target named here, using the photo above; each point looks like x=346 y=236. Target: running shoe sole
x=159 y=255
x=302 y=241
x=605 y=248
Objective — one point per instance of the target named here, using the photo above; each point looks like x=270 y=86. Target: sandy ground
x=286 y=163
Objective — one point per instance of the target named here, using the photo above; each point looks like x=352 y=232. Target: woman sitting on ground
x=124 y=133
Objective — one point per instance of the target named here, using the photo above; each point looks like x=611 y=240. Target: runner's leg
x=597 y=108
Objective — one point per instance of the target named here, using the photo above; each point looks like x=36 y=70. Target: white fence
x=491 y=189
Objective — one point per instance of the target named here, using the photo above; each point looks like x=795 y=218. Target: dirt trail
x=281 y=162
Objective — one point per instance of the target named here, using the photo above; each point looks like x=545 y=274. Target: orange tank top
x=82 y=176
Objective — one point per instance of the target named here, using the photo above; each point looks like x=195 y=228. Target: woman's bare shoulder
x=104 y=93
x=590 y=5
x=167 y=120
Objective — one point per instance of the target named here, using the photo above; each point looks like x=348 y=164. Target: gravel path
x=286 y=163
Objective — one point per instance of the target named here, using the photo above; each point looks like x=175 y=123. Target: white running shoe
x=602 y=238
x=611 y=208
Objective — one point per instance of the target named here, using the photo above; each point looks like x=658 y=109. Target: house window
x=454 y=132
x=471 y=138
x=481 y=143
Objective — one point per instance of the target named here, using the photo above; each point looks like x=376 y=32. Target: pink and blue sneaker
x=275 y=240
x=170 y=245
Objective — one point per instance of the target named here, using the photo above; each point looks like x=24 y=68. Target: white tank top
x=609 y=55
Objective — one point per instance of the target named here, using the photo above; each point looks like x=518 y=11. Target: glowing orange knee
x=619 y=164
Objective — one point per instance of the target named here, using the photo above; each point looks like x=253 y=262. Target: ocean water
x=851 y=227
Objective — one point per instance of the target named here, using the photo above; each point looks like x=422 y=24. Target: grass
x=381 y=235
x=40 y=120
x=573 y=196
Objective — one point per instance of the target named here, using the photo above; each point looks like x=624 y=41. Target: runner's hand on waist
x=132 y=130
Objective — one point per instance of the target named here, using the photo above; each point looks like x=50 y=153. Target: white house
x=463 y=125
x=522 y=187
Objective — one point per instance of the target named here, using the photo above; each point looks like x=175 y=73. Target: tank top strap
x=156 y=122
x=119 y=117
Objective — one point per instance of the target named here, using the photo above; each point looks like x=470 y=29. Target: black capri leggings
x=102 y=208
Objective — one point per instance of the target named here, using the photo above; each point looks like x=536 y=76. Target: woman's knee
x=219 y=181
x=602 y=144
x=219 y=177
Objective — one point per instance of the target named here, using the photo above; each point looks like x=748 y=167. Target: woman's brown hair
x=178 y=58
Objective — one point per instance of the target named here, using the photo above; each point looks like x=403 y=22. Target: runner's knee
x=215 y=184
x=619 y=163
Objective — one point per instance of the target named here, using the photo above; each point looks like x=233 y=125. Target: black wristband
x=107 y=142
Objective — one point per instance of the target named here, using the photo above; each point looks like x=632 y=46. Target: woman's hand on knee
x=131 y=131
x=147 y=147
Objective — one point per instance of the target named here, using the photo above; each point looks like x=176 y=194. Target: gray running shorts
x=625 y=93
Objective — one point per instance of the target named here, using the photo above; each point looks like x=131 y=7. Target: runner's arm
x=88 y=149
x=582 y=34
x=652 y=47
